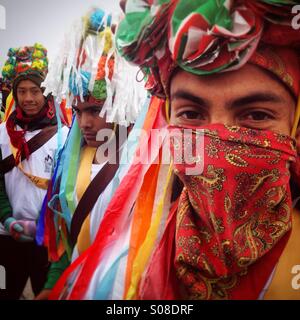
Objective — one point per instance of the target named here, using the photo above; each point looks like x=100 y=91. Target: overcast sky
x=44 y=21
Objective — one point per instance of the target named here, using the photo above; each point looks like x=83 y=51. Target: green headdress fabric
x=200 y=36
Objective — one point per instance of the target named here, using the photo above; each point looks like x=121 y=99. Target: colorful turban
x=25 y=61
x=91 y=70
x=202 y=37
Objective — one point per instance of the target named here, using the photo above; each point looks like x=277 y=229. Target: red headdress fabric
x=201 y=37
x=283 y=62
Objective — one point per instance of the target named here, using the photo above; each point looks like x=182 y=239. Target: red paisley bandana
x=233 y=219
x=235 y=212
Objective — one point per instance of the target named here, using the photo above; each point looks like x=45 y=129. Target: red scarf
x=233 y=219
x=17 y=137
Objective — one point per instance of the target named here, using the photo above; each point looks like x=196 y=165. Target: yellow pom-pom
x=39 y=46
x=38 y=54
x=38 y=65
x=7 y=68
x=107 y=34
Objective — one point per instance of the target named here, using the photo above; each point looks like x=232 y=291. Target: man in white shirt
x=29 y=140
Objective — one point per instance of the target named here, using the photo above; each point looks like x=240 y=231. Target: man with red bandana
x=230 y=69
x=229 y=72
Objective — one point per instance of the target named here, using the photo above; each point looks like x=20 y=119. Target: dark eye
x=95 y=111
x=256 y=116
x=190 y=115
x=35 y=92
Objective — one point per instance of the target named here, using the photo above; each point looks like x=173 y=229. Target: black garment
x=295 y=192
x=5 y=89
x=5 y=207
x=22 y=260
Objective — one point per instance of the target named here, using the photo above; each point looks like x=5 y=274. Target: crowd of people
x=90 y=206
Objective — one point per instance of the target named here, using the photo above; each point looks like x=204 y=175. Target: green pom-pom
x=12 y=52
x=12 y=60
x=99 y=91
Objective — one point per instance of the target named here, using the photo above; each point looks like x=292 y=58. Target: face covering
x=234 y=213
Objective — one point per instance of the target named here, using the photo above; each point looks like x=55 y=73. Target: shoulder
x=3 y=133
x=65 y=129
x=64 y=132
x=2 y=126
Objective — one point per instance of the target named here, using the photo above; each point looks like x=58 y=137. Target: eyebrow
x=182 y=94
x=30 y=88
x=252 y=98
x=87 y=108
x=255 y=97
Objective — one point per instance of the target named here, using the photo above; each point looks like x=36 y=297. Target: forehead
x=247 y=79
x=88 y=105
x=27 y=84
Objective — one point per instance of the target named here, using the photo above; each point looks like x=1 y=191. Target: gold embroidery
x=236 y=160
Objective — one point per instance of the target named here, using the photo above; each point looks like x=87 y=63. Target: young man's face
x=249 y=97
x=89 y=122
x=30 y=98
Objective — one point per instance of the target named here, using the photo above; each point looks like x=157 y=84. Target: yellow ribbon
x=297 y=118
x=281 y=286
x=41 y=183
x=145 y=251
x=83 y=181
x=167 y=110
x=9 y=106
